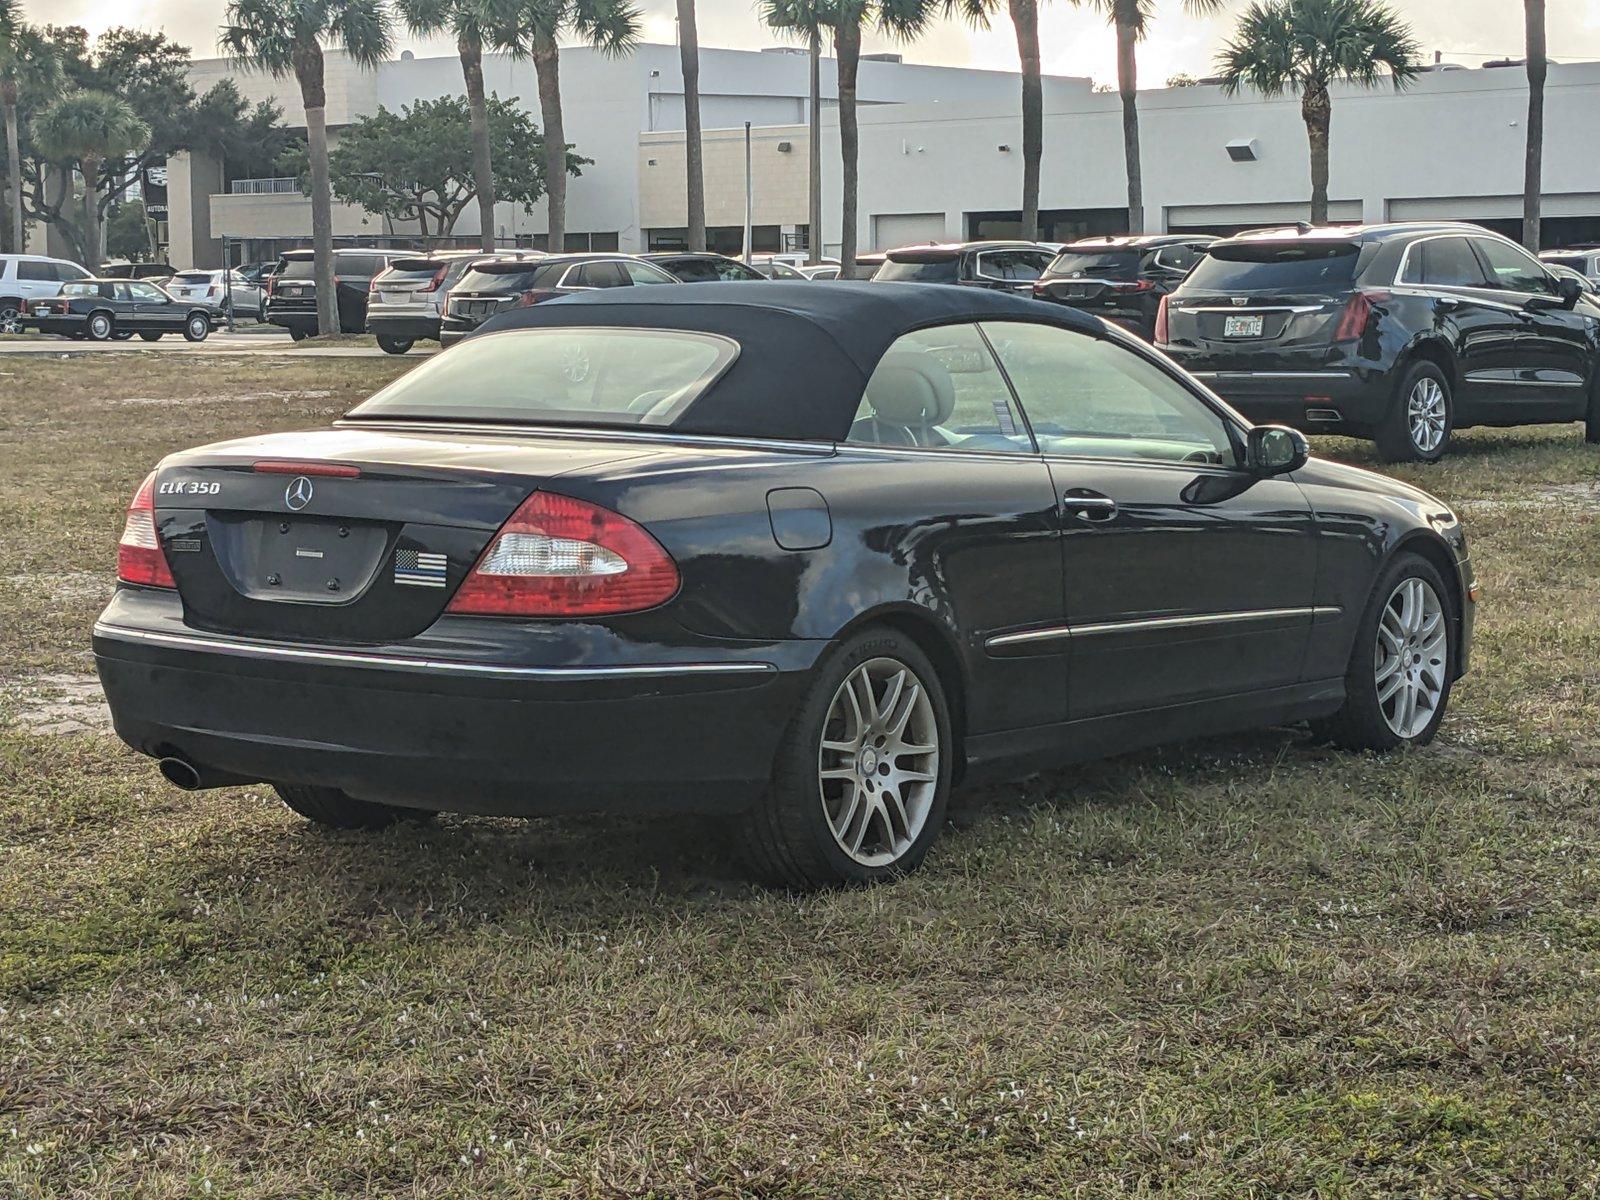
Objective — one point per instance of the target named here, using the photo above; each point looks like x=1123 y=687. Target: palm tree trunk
x=1533 y=175
x=847 y=46
x=90 y=166
x=13 y=168
x=1128 y=86
x=547 y=69
x=814 y=154
x=1316 y=108
x=308 y=70
x=1025 y=17
x=471 y=53
x=689 y=55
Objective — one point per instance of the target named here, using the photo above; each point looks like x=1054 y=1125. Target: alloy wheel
x=1411 y=657
x=10 y=319
x=1425 y=414
x=878 y=765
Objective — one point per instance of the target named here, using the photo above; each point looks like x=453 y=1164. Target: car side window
x=36 y=272
x=1018 y=265
x=730 y=270
x=147 y=293
x=1513 y=269
x=940 y=389
x=643 y=273
x=1089 y=397
x=696 y=270
x=1446 y=262
x=1176 y=258
x=597 y=275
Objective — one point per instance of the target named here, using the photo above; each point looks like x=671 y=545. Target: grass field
x=1252 y=968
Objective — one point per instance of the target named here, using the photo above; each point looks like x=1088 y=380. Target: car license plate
x=1242 y=327
x=41 y=310
x=293 y=291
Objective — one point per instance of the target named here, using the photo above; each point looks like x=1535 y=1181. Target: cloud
x=1075 y=41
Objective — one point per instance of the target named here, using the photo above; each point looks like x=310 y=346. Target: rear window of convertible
x=581 y=376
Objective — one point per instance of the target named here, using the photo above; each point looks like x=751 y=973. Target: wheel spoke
x=1387 y=691
x=895 y=818
x=897 y=726
x=842 y=826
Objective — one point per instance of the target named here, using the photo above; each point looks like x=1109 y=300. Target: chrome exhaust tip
x=180 y=773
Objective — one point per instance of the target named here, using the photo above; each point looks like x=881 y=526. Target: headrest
x=911 y=388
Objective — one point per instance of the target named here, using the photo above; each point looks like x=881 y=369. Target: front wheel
x=394 y=345
x=197 y=328
x=339 y=810
x=1591 y=419
x=297 y=334
x=100 y=327
x=1398 y=683
x=1420 y=419
x=862 y=775
x=154 y=336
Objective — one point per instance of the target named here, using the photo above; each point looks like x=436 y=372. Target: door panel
x=1544 y=376
x=1199 y=585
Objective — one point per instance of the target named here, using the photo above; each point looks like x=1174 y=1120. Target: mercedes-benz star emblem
x=298 y=494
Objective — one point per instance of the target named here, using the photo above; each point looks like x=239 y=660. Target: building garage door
x=1233 y=218
x=906 y=229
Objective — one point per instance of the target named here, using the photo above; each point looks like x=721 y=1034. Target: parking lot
x=248 y=339
x=1246 y=967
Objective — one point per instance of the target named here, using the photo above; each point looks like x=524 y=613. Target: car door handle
x=1090 y=506
x=1447 y=304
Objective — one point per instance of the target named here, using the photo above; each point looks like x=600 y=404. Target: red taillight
x=372 y=285
x=1161 y=322
x=1357 y=312
x=272 y=284
x=1136 y=285
x=139 y=556
x=534 y=297
x=437 y=281
x=560 y=557
x=284 y=466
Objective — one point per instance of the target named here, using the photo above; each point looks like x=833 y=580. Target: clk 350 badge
x=188 y=487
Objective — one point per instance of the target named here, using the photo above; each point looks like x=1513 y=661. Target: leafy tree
x=249 y=139
x=27 y=62
x=84 y=129
x=1304 y=46
x=417 y=164
x=1533 y=170
x=533 y=28
x=843 y=20
x=1131 y=19
x=285 y=37
x=471 y=22
x=128 y=233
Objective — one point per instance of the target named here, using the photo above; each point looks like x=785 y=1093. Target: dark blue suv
x=1400 y=333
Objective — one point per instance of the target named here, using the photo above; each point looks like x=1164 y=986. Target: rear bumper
x=407 y=322
x=692 y=729
x=62 y=326
x=1323 y=400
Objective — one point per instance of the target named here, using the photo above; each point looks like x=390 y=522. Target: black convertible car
x=804 y=554
x=115 y=309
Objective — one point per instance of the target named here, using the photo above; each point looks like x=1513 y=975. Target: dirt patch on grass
x=59 y=704
x=282 y=397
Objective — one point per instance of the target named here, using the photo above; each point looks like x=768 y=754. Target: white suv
x=25 y=277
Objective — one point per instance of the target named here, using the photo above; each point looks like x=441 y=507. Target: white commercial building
x=941 y=154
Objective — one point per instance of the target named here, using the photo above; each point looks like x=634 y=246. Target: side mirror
x=1276 y=450
x=1570 y=291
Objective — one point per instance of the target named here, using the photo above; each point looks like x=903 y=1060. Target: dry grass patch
x=1248 y=968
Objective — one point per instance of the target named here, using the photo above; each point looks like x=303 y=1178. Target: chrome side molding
x=1198 y=620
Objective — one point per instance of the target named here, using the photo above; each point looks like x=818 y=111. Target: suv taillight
x=437 y=281
x=560 y=557
x=1161 y=322
x=139 y=556
x=1133 y=285
x=1357 y=312
x=534 y=296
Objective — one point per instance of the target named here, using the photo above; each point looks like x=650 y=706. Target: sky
x=1075 y=41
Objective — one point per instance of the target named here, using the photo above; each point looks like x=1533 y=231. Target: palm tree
x=285 y=37
x=85 y=129
x=1024 y=16
x=843 y=20
x=1532 y=180
x=534 y=28
x=1131 y=19
x=1304 y=46
x=470 y=22
x=689 y=55
x=27 y=62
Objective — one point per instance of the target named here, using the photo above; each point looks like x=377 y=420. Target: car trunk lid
x=345 y=535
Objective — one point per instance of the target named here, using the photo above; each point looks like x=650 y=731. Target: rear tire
x=1591 y=420
x=394 y=345
x=100 y=327
x=10 y=316
x=197 y=328
x=150 y=337
x=841 y=771
x=1369 y=720
x=297 y=334
x=1421 y=417
x=338 y=810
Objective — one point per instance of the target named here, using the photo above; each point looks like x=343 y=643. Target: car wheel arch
x=1439 y=556
x=1431 y=350
x=935 y=639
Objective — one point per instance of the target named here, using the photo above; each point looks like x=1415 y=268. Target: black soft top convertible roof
x=806 y=349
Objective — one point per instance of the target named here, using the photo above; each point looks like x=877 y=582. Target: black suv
x=694 y=267
x=1003 y=266
x=292 y=289
x=1122 y=279
x=1397 y=333
x=494 y=286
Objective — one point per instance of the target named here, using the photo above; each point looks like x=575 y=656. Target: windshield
x=1111 y=264
x=925 y=270
x=560 y=376
x=410 y=271
x=1275 y=267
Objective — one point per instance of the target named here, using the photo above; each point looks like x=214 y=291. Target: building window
x=1055 y=224
x=574 y=243
x=720 y=239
